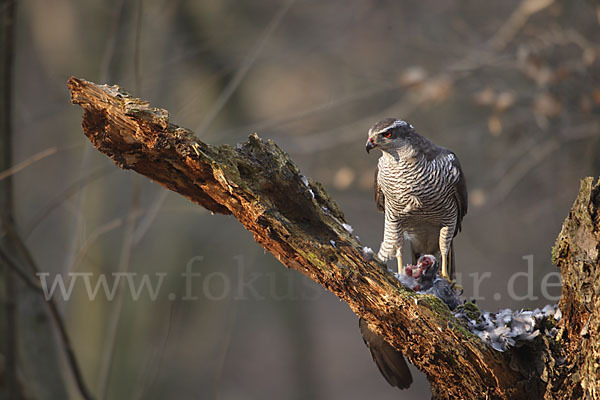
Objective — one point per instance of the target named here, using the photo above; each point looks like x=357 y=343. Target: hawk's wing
x=460 y=195
x=379 y=198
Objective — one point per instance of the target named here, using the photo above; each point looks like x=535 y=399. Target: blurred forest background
x=513 y=87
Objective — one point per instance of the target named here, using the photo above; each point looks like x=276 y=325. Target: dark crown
x=400 y=127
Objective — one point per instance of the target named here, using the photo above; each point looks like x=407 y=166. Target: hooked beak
x=370 y=144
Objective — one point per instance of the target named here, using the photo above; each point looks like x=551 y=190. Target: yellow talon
x=400 y=264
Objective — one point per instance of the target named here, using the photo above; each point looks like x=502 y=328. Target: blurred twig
x=242 y=70
x=517 y=21
x=533 y=155
x=59 y=199
x=111 y=44
x=114 y=315
x=326 y=140
x=144 y=225
x=277 y=121
x=137 y=74
x=8 y=21
x=106 y=74
x=410 y=99
x=26 y=163
x=34 y=159
x=50 y=303
x=14 y=266
x=141 y=228
x=149 y=378
x=93 y=237
x=538 y=153
x=224 y=351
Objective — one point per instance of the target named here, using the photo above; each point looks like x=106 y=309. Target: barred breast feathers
x=410 y=181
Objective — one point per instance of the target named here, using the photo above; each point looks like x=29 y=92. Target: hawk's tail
x=391 y=362
x=451 y=264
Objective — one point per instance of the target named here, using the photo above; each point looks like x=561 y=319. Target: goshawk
x=422 y=191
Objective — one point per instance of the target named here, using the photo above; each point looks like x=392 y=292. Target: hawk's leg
x=399 y=251
x=393 y=241
x=446 y=234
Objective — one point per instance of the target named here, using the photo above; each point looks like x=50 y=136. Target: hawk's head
x=390 y=133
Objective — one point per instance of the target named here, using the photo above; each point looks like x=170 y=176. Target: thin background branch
x=106 y=75
x=50 y=303
x=58 y=200
x=114 y=315
x=242 y=71
x=154 y=365
x=8 y=20
x=33 y=159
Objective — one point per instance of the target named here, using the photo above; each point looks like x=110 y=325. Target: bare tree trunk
x=9 y=320
x=28 y=344
x=295 y=219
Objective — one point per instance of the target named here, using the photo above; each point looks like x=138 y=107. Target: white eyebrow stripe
x=397 y=123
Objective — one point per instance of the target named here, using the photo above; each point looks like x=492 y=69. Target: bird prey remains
x=422 y=191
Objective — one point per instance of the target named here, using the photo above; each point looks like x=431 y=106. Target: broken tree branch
x=577 y=254
x=295 y=219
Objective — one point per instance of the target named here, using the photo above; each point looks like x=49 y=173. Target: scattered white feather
x=549 y=310
x=406 y=280
x=558 y=314
x=305 y=181
x=348 y=228
x=332 y=242
x=501 y=330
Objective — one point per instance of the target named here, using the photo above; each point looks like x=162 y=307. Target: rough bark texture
x=302 y=227
x=577 y=254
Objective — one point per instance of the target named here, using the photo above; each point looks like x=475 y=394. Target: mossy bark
x=296 y=220
x=577 y=254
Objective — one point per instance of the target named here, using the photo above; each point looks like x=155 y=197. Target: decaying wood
x=577 y=254
x=295 y=219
